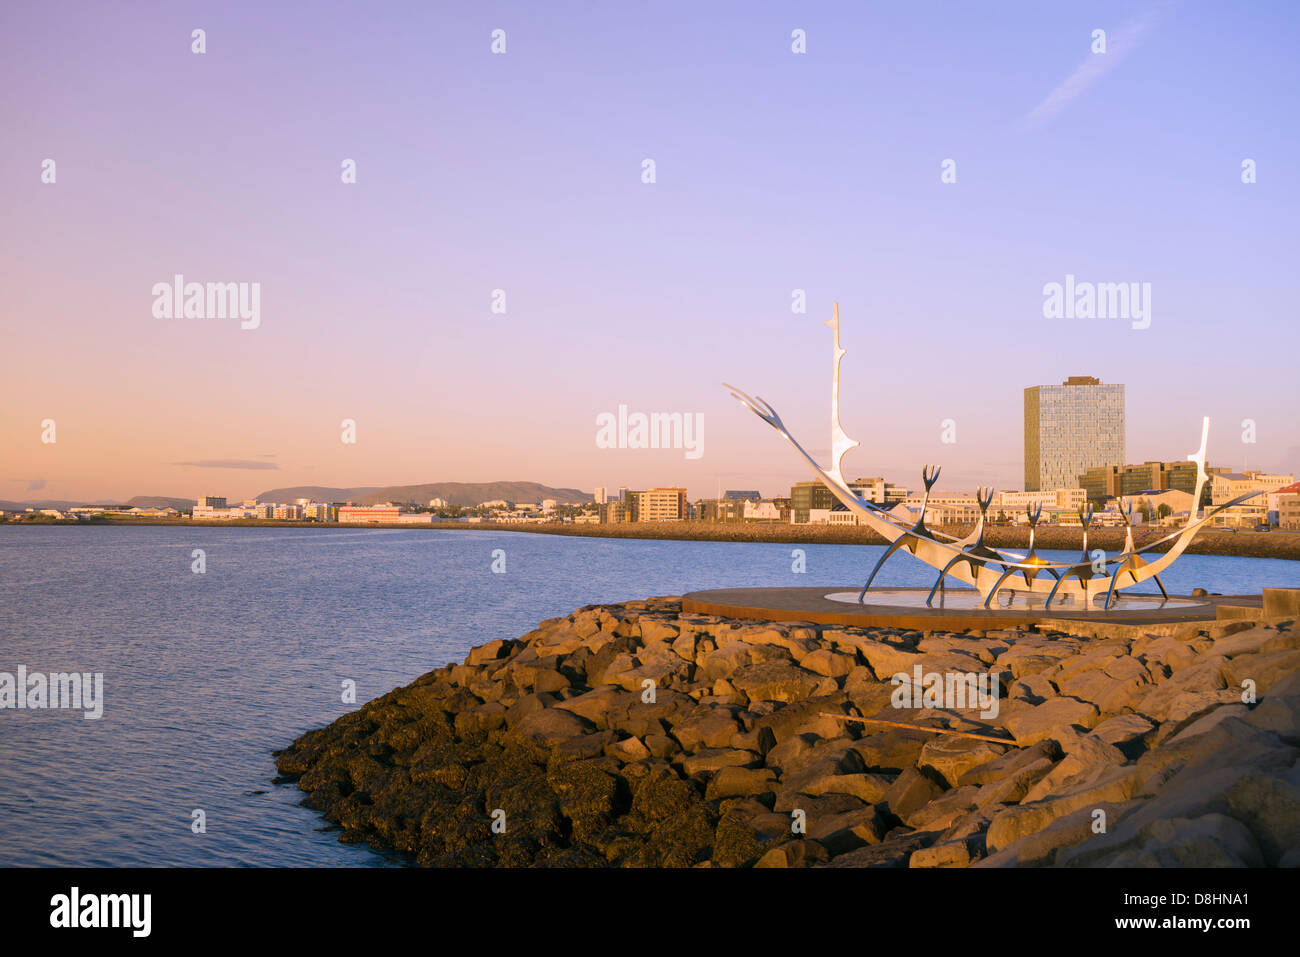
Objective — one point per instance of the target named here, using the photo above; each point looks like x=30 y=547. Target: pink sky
x=523 y=172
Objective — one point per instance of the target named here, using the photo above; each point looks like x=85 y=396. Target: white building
x=1051 y=498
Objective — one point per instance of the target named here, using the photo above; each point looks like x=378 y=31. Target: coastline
x=637 y=734
x=1275 y=544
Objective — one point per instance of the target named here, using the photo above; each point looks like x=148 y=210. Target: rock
x=1244 y=642
x=550 y=726
x=592 y=774
x=1270 y=807
x=1127 y=732
x=796 y=640
x=945 y=810
x=741 y=782
x=714 y=759
x=893 y=750
x=705 y=727
x=611 y=669
x=758 y=738
x=585 y=746
x=1110 y=785
x=639 y=717
x=821 y=776
x=1034 y=688
x=798 y=853
x=1040 y=848
x=910 y=791
x=1213 y=840
x=985 y=650
x=485 y=717
x=793 y=754
x=629 y=749
x=950 y=757
x=552 y=681
x=729 y=659
x=1013 y=788
x=1026 y=658
x=885 y=660
x=661 y=745
x=777 y=681
x=1278 y=713
x=484 y=653
x=655 y=630
x=1112 y=688
x=815 y=807
x=849 y=830
x=596 y=705
x=1084 y=752
x=1042 y=721
x=895 y=852
x=662 y=671
x=1265 y=670
x=830 y=663
x=958 y=853
x=586 y=623
x=808 y=716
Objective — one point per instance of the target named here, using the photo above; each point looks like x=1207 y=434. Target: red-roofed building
x=1287 y=503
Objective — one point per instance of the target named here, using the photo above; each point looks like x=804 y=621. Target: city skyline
x=776 y=172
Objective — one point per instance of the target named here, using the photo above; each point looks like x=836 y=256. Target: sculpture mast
x=840 y=442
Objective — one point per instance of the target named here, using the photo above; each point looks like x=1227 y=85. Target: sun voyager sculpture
x=968 y=559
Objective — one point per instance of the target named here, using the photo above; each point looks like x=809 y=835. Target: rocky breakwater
x=637 y=735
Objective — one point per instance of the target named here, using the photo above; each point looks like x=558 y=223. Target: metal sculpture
x=969 y=560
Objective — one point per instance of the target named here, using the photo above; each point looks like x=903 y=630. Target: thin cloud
x=228 y=464
x=1095 y=66
x=33 y=485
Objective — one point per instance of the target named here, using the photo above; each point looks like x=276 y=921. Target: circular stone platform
x=958 y=609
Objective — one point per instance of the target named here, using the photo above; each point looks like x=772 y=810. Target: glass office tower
x=1070 y=428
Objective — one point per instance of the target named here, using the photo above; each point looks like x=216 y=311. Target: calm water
x=205 y=675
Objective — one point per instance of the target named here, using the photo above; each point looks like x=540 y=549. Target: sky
x=523 y=171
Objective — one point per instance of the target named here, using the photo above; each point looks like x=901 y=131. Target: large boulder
x=1039 y=722
x=779 y=681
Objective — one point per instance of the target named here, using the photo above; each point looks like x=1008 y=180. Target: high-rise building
x=1071 y=428
x=600 y=496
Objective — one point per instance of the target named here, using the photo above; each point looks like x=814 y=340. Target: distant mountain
x=456 y=493
x=155 y=501
x=161 y=501
x=8 y=506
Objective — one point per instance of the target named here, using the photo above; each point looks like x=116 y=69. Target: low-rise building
x=367 y=514
x=757 y=510
x=1254 y=511
x=1054 y=498
x=658 y=505
x=614 y=512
